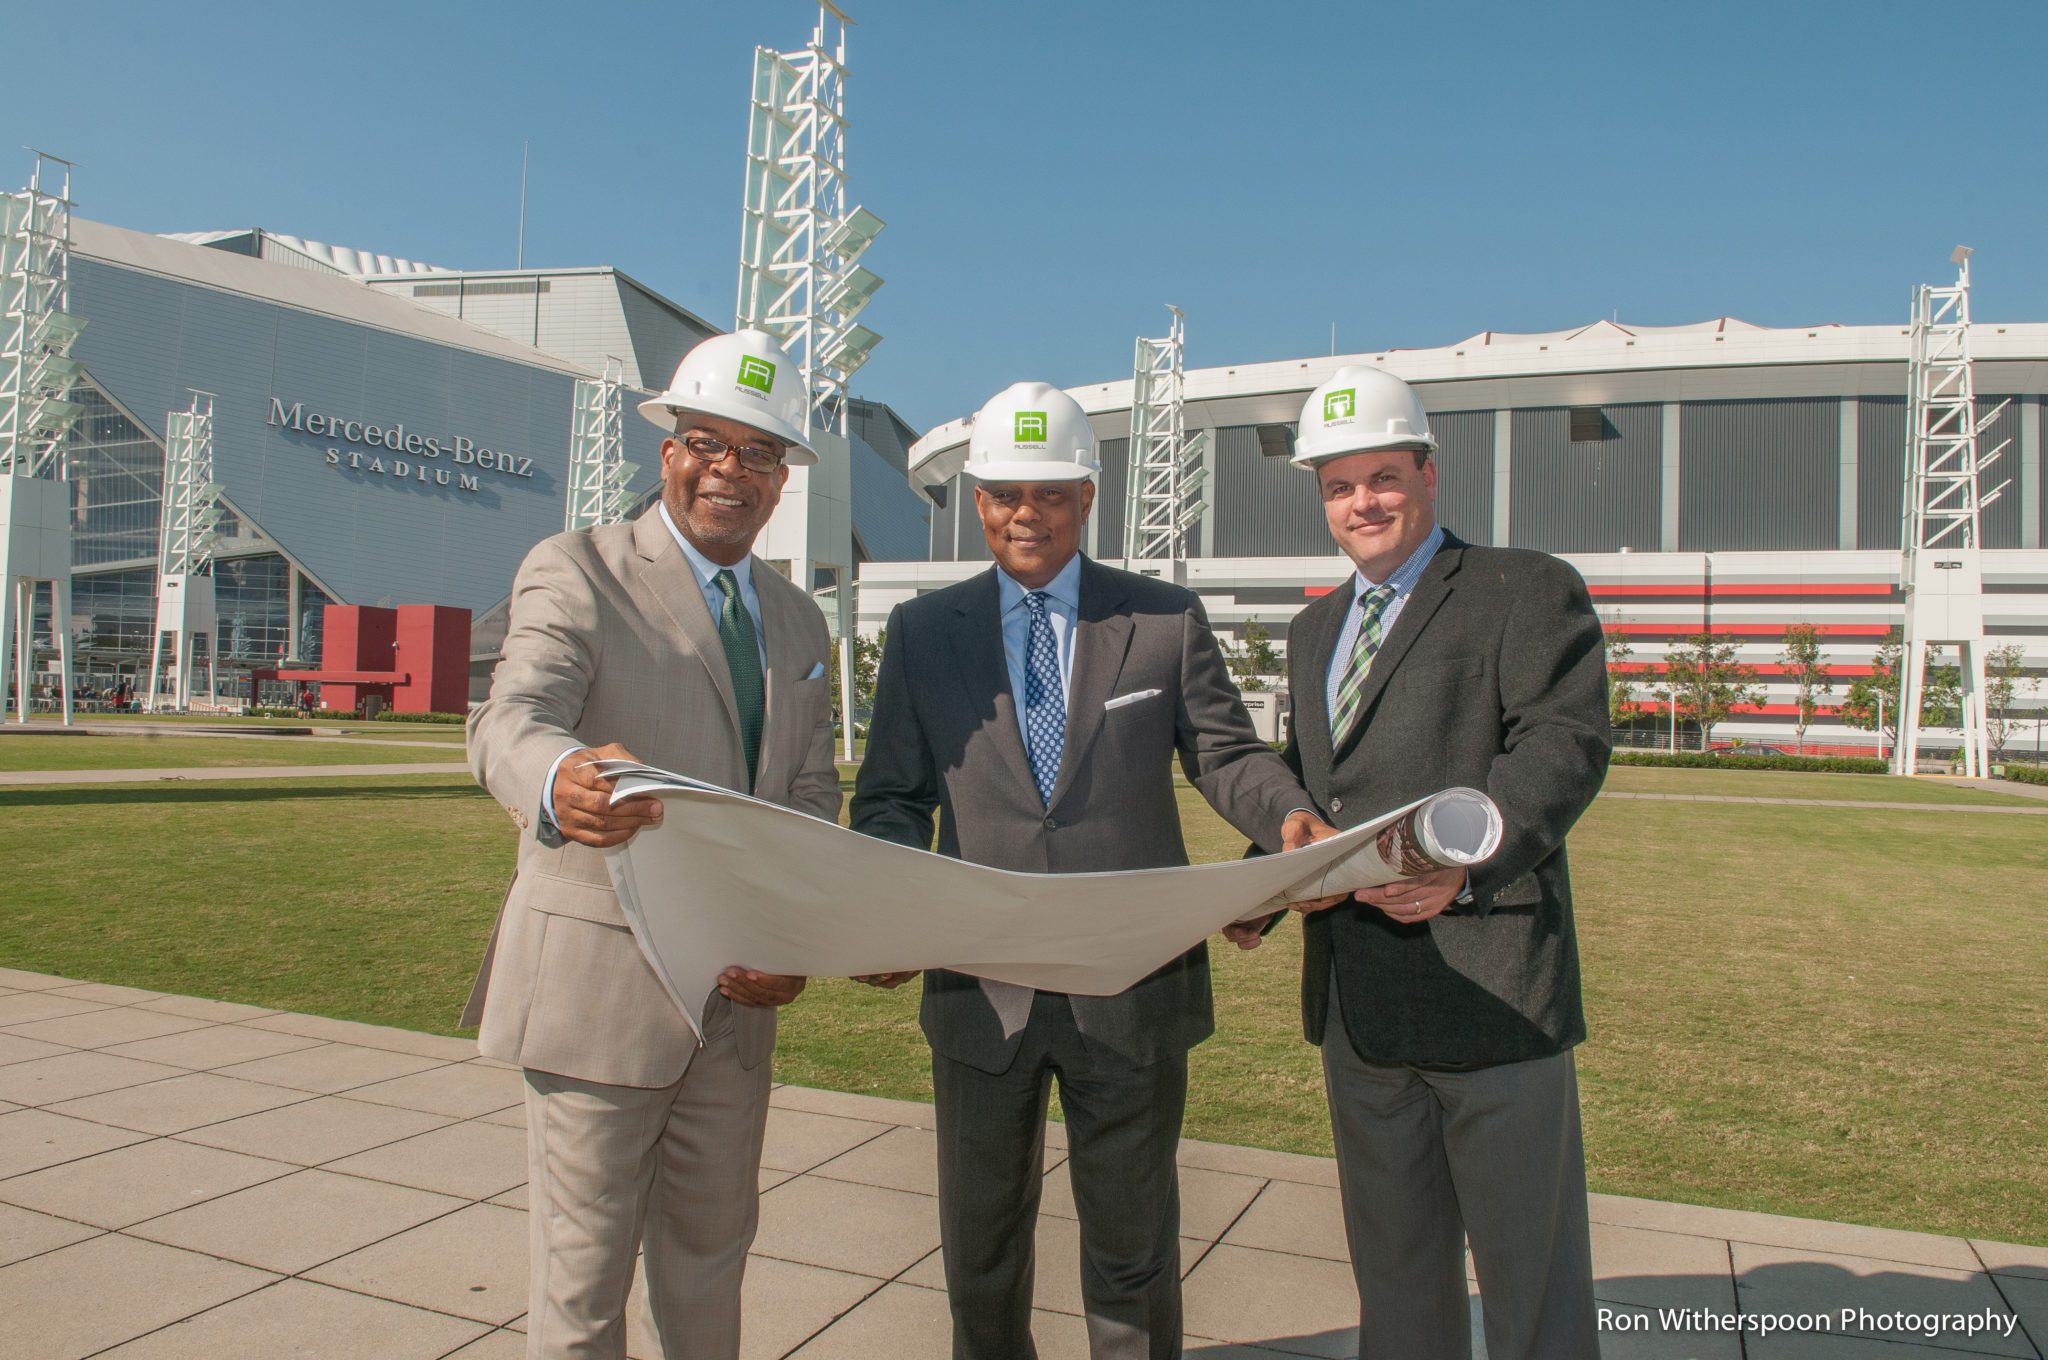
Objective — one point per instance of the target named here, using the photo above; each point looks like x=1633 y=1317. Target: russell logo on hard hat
x=756 y=375
x=1340 y=405
x=1031 y=427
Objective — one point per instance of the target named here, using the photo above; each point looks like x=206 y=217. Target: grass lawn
x=1861 y=788
x=36 y=752
x=1832 y=1012
x=432 y=731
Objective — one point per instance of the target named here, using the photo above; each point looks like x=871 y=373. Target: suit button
x=1336 y=805
x=1051 y=823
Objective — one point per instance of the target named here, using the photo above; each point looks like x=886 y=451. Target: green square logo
x=758 y=374
x=1341 y=404
x=1030 y=427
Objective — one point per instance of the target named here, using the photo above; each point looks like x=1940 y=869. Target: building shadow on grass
x=1771 y=1307
x=193 y=791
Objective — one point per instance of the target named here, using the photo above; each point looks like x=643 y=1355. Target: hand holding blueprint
x=727 y=879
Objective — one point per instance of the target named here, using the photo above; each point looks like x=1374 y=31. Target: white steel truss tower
x=800 y=246
x=599 y=471
x=185 y=538
x=1942 y=566
x=37 y=372
x=1164 y=499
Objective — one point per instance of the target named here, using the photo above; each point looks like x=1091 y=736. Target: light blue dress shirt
x=1403 y=581
x=1062 y=609
x=706 y=571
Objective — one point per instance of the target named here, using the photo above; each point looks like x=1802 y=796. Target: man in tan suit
x=662 y=640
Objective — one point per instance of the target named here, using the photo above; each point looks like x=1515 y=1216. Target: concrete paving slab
x=2008 y=1258
x=81 y=1299
x=898 y=1158
x=461 y=1091
x=33 y=1139
x=298 y=1221
x=215 y=1045
x=1056 y=1249
x=113 y=994
x=494 y=1346
x=1639 y=1266
x=25 y=1233
x=142 y=1180
x=67 y=1076
x=2028 y=1298
x=315 y=1130
x=330 y=1068
x=178 y=1103
x=472 y=1160
x=103 y=1028
x=16 y=979
x=512 y=1117
x=1210 y=1201
x=370 y=1036
x=14 y=1049
x=1787 y=1280
x=846 y=1105
x=21 y=1008
x=1301 y=1220
x=205 y=1008
x=1738 y=1225
x=1836 y=1346
x=471 y=1263
x=881 y=1328
x=1300 y=1305
x=798 y=1140
x=861 y=1229
x=1632 y=1332
x=1259 y=1162
x=282 y=1319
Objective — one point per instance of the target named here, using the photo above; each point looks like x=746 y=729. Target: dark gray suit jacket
x=1493 y=677
x=944 y=741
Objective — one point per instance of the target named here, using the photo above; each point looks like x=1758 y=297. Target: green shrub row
x=343 y=715
x=2027 y=774
x=1697 y=760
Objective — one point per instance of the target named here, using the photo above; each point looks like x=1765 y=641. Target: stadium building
x=384 y=432
x=1721 y=478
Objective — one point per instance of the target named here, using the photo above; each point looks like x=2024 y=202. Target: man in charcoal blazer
x=661 y=639
x=1447 y=1006
x=1036 y=710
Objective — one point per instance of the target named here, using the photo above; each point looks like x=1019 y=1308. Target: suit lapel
x=978 y=652
x=1319 y=626
x=666 y=574
x=1102 y=638
x=787 y=663
x=1428 y=596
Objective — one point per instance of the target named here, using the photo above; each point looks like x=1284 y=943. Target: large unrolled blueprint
x=726 y=879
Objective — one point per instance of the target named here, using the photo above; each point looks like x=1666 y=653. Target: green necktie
x=743 y=659
x=1372 y=606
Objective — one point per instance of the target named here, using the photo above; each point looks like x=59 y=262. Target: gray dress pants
x=1123 y=1129
x=1426 y=1159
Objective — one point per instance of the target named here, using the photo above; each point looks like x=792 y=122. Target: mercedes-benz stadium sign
x=414 y=457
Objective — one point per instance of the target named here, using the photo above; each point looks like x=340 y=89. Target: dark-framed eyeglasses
x=752 y=457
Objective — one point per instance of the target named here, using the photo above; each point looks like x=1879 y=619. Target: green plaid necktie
x=1372 y=607
x=743 y=660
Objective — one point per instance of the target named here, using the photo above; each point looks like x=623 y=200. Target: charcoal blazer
x=1492 y=677
x=945 y=744
x=611 y=640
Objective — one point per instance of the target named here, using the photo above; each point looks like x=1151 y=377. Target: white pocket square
x=817 y=669
x=1123 y=699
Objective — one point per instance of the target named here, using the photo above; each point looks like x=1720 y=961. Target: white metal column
x=1163 y=480
x=599 y=471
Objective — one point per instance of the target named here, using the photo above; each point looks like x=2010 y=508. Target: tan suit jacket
x=611 y=640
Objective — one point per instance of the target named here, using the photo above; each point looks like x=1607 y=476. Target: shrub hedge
x=342 y=715
x=2027 y=774
x=1697 y=760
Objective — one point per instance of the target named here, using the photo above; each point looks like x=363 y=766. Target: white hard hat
x=1031 y=432
x=746 y=377
x=1360 y=410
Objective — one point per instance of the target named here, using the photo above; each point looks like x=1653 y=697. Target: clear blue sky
x=1414 y=173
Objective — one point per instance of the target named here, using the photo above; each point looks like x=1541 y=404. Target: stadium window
x=1589 y=426
x=1276 y=441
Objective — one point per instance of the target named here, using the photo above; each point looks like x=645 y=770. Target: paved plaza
x=189 y=1178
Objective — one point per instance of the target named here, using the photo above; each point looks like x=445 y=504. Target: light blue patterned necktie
x=1045 y=705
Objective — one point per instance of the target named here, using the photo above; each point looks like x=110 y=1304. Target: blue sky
x=1053 y=173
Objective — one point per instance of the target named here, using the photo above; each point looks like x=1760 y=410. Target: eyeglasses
x=752 y=458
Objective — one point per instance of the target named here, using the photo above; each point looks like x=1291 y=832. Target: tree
x=2005 y=679
x=1709 y=682
x=1252 y=658
x=867 y=659
x=1621 y=687
x=1809 y=678
x=1877 y=694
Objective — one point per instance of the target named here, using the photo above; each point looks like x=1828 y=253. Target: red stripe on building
x=1772 y=668
x=1834 y=630
x=1695 y=590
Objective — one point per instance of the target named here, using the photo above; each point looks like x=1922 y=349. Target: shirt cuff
x=547 y=790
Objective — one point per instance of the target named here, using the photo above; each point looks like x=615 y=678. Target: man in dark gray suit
x=1447 y=1006
x=1037 y=709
